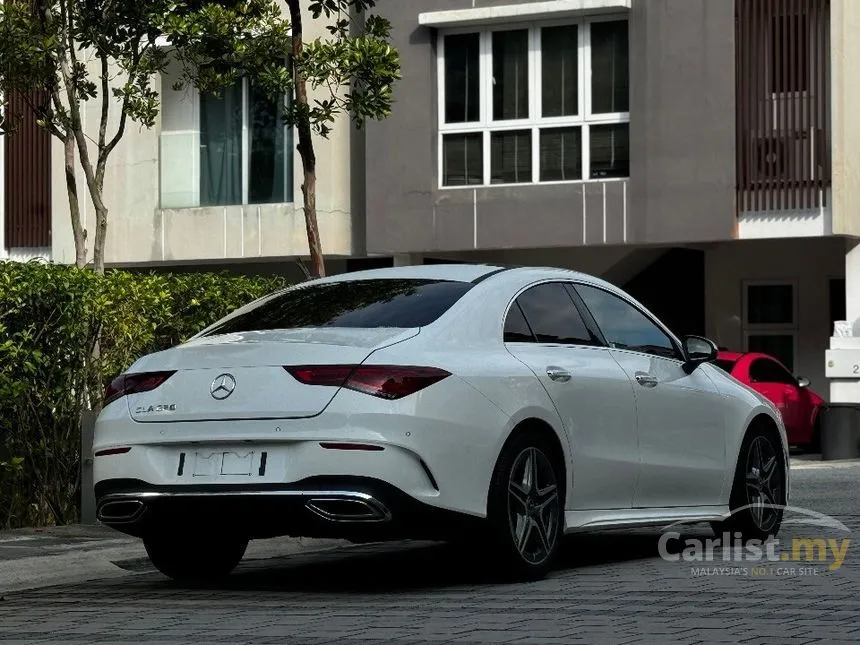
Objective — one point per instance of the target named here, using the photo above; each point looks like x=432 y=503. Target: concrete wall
x=682 y=148
x=682 y=120
x=139 y=231
x=809 y=263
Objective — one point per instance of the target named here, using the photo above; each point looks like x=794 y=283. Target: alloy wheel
x=533 y=505
x=763 y=483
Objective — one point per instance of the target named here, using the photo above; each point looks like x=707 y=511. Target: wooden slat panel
x=27 y=175
x=782 y=62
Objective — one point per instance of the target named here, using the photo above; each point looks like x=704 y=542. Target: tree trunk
x=101 y=234
x=306 y=146
x=78 y=231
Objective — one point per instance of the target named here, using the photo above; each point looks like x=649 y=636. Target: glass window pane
x=770 y=304
x=560 y=71
x=560 y=154
x=221 y=147
x=462 y=159
x=517 y=330
x=552 y=316
x=511 y=154
x=780 y=346
x=726 y=366
x=511 y=74
x=610 y=73
x=610 y=150
x=624 y=326
x=267 y=181
x=764 y=370
x=355 y=303
x=462 y=78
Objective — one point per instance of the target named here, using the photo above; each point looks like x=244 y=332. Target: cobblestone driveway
x=609 y=588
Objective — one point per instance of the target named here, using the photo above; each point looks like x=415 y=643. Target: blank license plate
x=222 y=463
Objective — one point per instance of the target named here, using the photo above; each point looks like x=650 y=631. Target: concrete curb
x=803 y=464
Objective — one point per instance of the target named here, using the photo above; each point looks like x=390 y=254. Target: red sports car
x=799 y=405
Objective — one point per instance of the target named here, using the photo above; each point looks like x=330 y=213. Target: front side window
x=550 y=316
x=763 y=370
x=354 y=303
x=535 y=103
x=624 y=326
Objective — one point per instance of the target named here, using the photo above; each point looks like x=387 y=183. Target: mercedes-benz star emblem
x=222 y=386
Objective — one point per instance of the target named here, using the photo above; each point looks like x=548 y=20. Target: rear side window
x=552 y=316
x=356 y=303
x=517 y=330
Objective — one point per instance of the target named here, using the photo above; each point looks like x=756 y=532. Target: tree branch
x=105 y=114
x=133 y=71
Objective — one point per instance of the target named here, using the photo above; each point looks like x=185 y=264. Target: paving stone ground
x=608 y=588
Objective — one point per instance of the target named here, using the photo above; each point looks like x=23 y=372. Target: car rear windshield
x=354 y=303
x=723 y=364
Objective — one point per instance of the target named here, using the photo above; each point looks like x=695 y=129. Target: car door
x=590 y=391
x=771 y=379
x=680 y=416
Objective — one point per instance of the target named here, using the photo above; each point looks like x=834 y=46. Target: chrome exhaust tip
x=348 y=509
x=120 y=511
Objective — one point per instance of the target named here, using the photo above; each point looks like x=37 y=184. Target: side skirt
x=575 y=521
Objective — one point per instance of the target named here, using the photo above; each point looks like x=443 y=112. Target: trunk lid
x=242 y=376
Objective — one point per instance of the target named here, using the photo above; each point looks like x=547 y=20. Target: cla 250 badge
x=148 y=409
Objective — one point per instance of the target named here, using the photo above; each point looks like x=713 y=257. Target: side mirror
x=802 y=381
x=698 y=350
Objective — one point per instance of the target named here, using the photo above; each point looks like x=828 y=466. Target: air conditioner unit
x=793 y=155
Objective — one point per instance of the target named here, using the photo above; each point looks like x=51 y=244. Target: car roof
x=462 y=273
x=736 y=356
x=456 y=272
x=729 y=356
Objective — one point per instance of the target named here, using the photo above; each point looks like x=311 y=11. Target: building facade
x=703 y=154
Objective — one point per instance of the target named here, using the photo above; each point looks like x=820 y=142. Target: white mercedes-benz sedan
x=504 y=406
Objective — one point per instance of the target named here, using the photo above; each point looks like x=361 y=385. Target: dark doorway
x=673 y=288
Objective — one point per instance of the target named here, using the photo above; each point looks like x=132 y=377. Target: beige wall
x=808 y=263
x=139 y=231
x=845 y=114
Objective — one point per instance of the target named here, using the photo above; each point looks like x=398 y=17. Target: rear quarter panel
x=497 y=393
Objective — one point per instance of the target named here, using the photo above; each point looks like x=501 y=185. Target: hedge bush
x=65 y=331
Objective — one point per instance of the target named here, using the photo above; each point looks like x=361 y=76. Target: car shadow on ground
x=404 y=566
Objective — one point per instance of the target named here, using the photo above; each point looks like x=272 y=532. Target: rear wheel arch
x=539 y=428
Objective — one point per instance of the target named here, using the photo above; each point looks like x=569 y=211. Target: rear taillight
x=384 y=381
x=134 y=384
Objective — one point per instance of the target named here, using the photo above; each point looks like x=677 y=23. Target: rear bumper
x=355 y=508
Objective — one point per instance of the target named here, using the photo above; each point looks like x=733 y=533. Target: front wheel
x=759 y=490
x=525 y=507
x=196 y=560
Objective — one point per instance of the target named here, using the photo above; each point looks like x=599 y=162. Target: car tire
x=526 y=507
x=758 y=489
x=195 y=560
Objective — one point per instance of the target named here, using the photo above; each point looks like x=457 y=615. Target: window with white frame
x=224 y=150
x=770 y=320
x=538 y=103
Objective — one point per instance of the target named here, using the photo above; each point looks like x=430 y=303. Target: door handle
x=557 y=374
x=646 y=380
